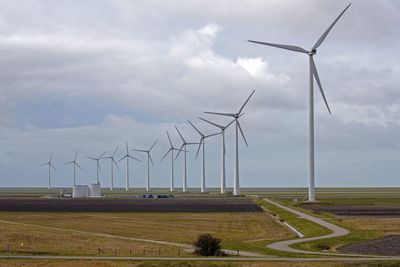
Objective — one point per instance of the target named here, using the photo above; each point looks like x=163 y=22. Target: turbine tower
x=183 y=148
x=312 y=74
x=236 y=116
x=112 y=161
x=223 y=172
x=171 y=150
x=203 y=161
x=97 y=166
x=75 y=164
x=127 y=156
x=50 y=165
x=149 y=159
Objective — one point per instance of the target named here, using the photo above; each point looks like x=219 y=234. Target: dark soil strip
x=385 y=246
x=132 y=205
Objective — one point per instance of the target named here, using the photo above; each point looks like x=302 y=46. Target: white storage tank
x=94 y=190
x=80 y=191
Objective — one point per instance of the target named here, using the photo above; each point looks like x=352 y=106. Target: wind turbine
x=112 y=161
x=313 y=74
x=149 y=159
x=127 y=156
x=236 y=116
x=203 y=161
x=50 y=166
x=97 y=166
x=223 y=173
x=183 y=148
x=171 y=150
x=75 y=164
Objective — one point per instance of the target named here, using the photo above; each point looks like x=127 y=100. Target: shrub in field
x=207 y=245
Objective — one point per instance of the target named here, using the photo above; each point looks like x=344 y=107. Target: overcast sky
x=88 y=75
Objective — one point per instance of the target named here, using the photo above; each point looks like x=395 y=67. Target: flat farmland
x=72 y=233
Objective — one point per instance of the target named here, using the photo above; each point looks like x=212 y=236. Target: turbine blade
x=180 y=151
x=98 y=165
x=198 y=149
x=151 y=160
x=51 y=156
x=53 y=166
x=78 y=165
x=240 y=110
x=92 y=158
x=102 y=155
x=197 y=130
x=115 y=151
x=76 y=155
x=241 y=131
x=229 y=124
x=315 y=73
x=140 y=150
x=47 y=163
x=169 y=150
x=69 y=163
x=116 y=164
x=126 y=144
x=122 y=158
x=169 y=138
x=212 y=123
x=283 y=46
x=153 y=145
x=220 y=113
x=210 y=135
x=180 y=135
x=132 y=157
x=323 y=36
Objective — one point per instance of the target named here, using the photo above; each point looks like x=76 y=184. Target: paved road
x=284 y=245
x=275 y=259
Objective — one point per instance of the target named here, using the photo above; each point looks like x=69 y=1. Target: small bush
x=207 y=245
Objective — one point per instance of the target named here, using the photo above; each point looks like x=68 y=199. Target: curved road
x=284 y=245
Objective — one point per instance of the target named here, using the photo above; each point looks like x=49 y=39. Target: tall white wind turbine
x=149 y=159
x=203 y=160
x=50 y=165
x=75 y=164
x=223 y=172
x=171 y=150
x=312 y=74
x=97 y=166
x=113 y=162
x=183 y=148
x=236 y=116
x=127 y=156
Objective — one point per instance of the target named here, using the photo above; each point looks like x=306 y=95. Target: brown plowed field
x=132 y=205
x=346 y=210
x=386 y=246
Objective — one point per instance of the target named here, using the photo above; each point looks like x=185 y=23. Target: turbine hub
x=312 y=52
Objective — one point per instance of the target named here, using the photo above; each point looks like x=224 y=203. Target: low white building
x=80 y=191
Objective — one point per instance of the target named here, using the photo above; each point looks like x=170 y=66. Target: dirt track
x=132 y=205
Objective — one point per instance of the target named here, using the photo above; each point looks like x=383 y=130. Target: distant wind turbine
x=203 y=161
x=183 y=148
x=75 y=164
x=236 y=116
x=313 y=74
x=171 y=150
x=223 y=172
x=97 y=166
x=50 y=165
x=127 y=156
x=149 y=159
x=112 y=161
